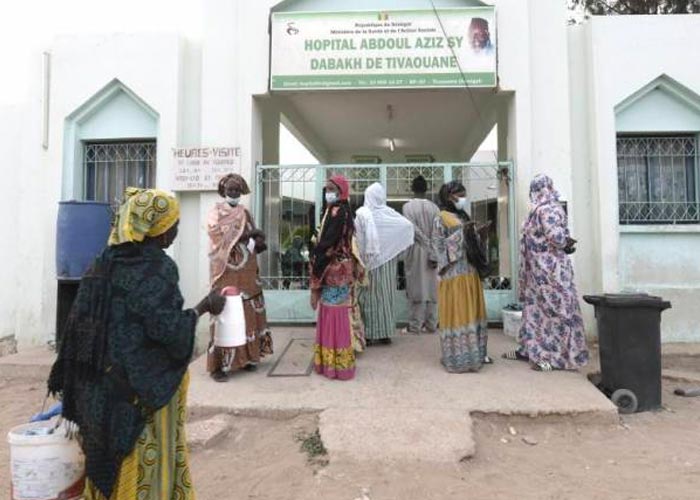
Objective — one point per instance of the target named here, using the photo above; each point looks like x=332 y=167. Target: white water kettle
x=230 y=328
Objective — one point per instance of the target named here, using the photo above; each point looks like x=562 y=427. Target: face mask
x=233 y=201
x=331 y=198
x=461 y=204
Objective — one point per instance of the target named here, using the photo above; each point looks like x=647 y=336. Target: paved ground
x=405 y=375
x=412 y=408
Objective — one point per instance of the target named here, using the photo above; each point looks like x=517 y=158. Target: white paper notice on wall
x=201 y=168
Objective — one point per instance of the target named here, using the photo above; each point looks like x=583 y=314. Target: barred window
x=657 y=179
x=110 y=167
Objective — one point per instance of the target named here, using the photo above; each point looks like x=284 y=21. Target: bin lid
x=625 y=300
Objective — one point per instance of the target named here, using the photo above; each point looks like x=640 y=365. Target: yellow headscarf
x=144 y=212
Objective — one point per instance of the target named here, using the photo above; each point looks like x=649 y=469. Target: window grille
x=110 y=167
x=657 y=179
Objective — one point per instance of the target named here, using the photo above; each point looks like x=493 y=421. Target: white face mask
x=331 y=198
x=461 y=204
x=233 y=201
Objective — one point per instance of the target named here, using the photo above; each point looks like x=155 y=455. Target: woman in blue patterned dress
x=552 y=333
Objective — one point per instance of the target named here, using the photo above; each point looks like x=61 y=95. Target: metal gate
x=288 y=209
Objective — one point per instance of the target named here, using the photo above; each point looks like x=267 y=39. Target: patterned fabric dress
x=461 y=303
x=157 y=467
x=552 y=329
x=121 y=370
x=334 y=274
x=227 y=225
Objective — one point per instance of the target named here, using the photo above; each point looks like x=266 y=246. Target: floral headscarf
x=542 y=190
x=144 y=213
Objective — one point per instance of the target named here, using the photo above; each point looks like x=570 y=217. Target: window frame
x=90 y=188
x=686 y=220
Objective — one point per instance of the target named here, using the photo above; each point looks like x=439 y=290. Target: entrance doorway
x=288 y=208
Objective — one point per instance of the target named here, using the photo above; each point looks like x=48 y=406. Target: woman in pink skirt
x=334 y=271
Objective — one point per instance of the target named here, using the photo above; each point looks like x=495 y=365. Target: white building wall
x=625 y=54
x=11 y=154
x=560 y=120
x=81 y=66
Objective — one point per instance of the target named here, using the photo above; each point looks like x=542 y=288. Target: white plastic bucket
x=45 y=466
x=230 y=328
x=511 y=323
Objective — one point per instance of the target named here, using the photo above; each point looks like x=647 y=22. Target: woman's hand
x=213 y=303
x=260 y=240
x=315 y=296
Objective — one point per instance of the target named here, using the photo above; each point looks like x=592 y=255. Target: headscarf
x=343 y=186
x=445 y=201
x=383 y=233
x=144 y=213
x=542 y=191
x=337 y=228
x=241 y=184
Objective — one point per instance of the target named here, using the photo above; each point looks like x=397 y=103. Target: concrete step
x=34 y=364
x=397 y=435
x=203 y=433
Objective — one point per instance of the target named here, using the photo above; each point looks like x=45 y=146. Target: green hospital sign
x=397 y=49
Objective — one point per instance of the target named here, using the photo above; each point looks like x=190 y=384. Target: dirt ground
x=648 y=456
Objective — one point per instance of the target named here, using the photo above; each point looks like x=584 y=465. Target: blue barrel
x=82 y=231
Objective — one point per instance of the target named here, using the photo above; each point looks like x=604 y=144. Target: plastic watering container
x=230 y=330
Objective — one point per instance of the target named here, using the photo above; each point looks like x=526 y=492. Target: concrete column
x=268 y=125
x=506 y=267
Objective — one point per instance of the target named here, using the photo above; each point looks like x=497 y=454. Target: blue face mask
x=331 y=198
x=461 y=204
x=233 y=201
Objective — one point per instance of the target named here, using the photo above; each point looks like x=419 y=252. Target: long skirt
x=158 y=467
x=378 y=302
x=242 y=272
x=357 y=326
x=334 y=355
x=463 y=323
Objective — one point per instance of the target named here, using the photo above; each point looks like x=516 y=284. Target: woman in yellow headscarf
x=122 y=367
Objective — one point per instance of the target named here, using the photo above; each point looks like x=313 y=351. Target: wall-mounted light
x=392 y=144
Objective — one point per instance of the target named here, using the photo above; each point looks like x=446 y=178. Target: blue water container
x=82 y=231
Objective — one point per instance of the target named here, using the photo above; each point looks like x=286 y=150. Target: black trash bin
x=629 y=335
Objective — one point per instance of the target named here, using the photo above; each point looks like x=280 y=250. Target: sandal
x=487 y=360
x=543 y=366
x=514 y=356
x=250 y=367
x=219 y=376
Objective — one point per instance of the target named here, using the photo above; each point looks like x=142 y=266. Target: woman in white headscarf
x=382 y=235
